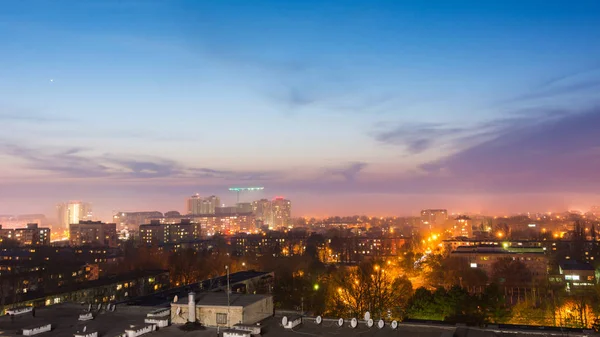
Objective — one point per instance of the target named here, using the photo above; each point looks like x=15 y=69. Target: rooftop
x=64 y=320
x=573 y=265
x=165 y=297
x=212 y=299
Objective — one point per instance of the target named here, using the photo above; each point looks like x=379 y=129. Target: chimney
x=192 y=307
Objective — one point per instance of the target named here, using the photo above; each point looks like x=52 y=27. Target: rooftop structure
x=221 y=309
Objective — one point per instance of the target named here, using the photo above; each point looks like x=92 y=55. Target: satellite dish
x=175 y=299
x=380 y=324
x=319 y=319
x=99 y=306
x=90 y=307
x=126 y=294
x=353 y=323
x=178 y=311
x=114 y=306
x=284 y=321
x=84 y=328
x=394 y=325
x=367 y=316
x=340 y=322
x=370 y=323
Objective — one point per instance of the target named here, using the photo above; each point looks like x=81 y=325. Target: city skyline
x=370 y=107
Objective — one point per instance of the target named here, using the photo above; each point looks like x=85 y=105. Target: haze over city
x=356 y=107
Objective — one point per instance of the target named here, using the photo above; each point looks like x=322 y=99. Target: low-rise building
x=32 y=235
x=218 y=309
x=577 y=276
x=484 y=256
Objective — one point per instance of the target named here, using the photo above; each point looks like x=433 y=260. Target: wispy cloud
x=348 y=171
x=82 y=163
x=67 y=162
x=561 y=153
x=417 y=138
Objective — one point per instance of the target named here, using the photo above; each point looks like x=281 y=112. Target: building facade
x=199 y=205
x=282 y=212
x=433 y=217
x=72 y=212
x=93 y=233
x=32 y=235
x=165 y=233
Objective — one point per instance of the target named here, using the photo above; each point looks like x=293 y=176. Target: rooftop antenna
x=394 y=325
x=370 y=323
x=84 y=328
x=380 y=324
x=319 y=319
x=340 y=322
x=284 y=321
x=175 y=299
x=367 y=316
x=353 y=323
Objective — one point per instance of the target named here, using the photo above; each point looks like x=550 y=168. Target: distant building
x=244 y=207
x=484 y=256
x=211 y=224
x=433 y=217
x=32 y=235
x=198 y=205
x=263 y=211
x=133 y=220
x=93 y=233
x=164 y=233
x=282 y=212
x=462 y=227
x=72 y=212
x=228 y=210
x=577 y=276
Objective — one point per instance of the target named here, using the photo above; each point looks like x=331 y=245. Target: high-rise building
x=262 y=211
x=282 y=212
x=198 y=205
x=433 y=217
x=93 y=233
x=72 y=212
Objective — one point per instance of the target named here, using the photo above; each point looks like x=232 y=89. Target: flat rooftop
x=211 y=299
x=64 y=320
x=166 y=296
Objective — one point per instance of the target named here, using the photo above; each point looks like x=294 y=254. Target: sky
x=344 y=107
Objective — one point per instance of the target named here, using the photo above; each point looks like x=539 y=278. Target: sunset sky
x=345 y=107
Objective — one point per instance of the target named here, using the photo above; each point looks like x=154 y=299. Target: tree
x=370 y=287
x=511 y=273
x=450 y=271
x=494 y=305
x=453 y=305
